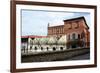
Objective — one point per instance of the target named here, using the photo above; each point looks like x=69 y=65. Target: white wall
x=5 y=36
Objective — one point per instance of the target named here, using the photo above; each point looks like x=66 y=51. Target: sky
x=35 y=22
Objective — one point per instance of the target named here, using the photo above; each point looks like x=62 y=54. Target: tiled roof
x=33 y=36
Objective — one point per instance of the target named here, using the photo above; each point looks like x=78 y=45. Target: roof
x=62 y=40
x=52 y=40
x=44 y=40
x=56 y=26
x=77 y=19
x=33 y=36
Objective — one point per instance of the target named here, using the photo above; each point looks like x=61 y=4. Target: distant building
x=73 y=34
x=30 y=44
x=76 y=30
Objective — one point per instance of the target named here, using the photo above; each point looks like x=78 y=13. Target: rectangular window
x=78 y=36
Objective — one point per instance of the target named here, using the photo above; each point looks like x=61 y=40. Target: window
x=54 y=31
x=61 y=48
x=68 y=37
x=41 y=48
x=82 y=35
x=57 y=30
x=76 y=25
x=30 y=47
x=61 y=30
x=54 y=48
x=73 y=36
x=78 y=36
x=35 y=48
x=69 y=25
x=47 y=48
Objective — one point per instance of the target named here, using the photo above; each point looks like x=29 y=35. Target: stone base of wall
x=54 y=56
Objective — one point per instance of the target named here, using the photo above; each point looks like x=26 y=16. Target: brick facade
x=76 y=30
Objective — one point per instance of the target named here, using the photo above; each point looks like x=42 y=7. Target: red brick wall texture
x=74 y=29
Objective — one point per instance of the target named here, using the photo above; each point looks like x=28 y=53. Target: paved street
x=81 y=57
x=74 y=54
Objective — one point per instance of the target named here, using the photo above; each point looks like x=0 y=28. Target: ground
x=74 y=54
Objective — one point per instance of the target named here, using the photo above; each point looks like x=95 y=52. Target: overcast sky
x=36 y=22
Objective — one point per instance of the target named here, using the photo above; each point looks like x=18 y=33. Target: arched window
x=41 y=48
x=35 y=48
x=61 y=48
x=73 y=36
x=54 y=48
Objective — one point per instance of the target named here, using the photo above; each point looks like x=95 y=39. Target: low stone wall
x=54 y=56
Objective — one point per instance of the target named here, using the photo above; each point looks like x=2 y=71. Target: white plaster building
x=43 y=44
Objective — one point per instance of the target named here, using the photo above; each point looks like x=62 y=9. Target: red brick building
x=76 y=30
